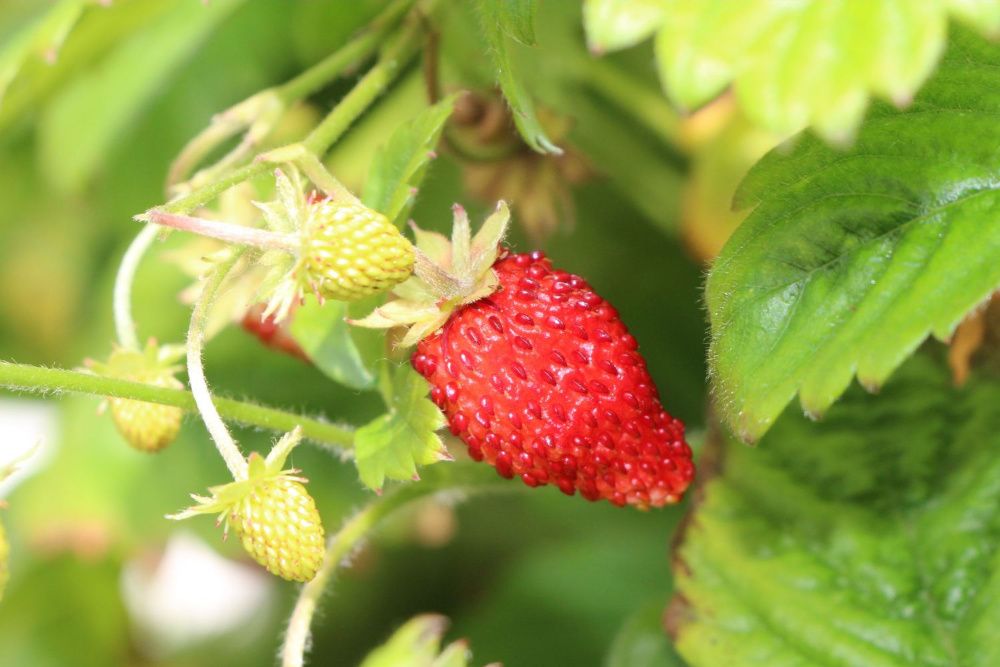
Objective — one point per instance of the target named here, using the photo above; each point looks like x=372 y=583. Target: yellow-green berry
x=280 y=527
x=350 y=251
x=147 y=427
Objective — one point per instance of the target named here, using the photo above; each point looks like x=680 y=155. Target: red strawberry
x=542 y=380
x=273 y=334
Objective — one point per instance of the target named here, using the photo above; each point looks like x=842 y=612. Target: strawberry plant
x=378 y=286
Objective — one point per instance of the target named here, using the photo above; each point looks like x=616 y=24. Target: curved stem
x=38 y=379
x=124 y=324
x=460 y=479
x=224 y=442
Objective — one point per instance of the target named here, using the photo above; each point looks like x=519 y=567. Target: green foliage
x=850 y=259
x=791 y=65
x=393 y=445
x=399 y=166
x=498 y=21
x=867 y=540
x=108 y=99
x=324 y=335
x=641 y=642
x=417 y=643
x=40 y=39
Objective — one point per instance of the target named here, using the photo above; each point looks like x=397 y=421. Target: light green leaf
x=642 y=641
x=417 y=643
x=394 y=444
x=399 y=167
x=496 y=24
x=810 y=63
x=325 y=336
x=617 y=24
x=869 y=540
x=851 y=258
x=42 y=39
x=90 y=115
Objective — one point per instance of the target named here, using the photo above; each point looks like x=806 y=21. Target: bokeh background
x=99 y=577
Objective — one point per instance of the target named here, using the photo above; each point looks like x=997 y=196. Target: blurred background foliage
x=637 y=204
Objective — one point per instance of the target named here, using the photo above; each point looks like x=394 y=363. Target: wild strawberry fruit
x=272 y=513
x=273 y=334
x=330 y=245
x=536 y=373
x=147 y=427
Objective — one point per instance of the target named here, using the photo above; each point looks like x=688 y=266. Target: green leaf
x=497 y=22
x=394 y=444
x=399 y=167
x=642 y=641
x=851 y=258
x=42 y=39
x=417 y=643
x=870 y=540
x=617 y=24
x=811 y=63
x=89 y=117
x=325 y=336
x=516 y=18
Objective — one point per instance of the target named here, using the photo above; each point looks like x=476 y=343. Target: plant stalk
x=225 y=231
x=38 y=379
x=122 y=304
x=457 y=479
x=224 y=441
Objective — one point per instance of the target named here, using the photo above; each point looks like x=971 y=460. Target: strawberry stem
x=224 y=441
x=458 y=479
x=122 y=304
x=225 y=231
x=39 y=379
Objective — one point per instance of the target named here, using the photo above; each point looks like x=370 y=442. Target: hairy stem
x=460 y=479
x=259 y=113
x=359 y=48
x=224 y=441
x=225 y=231
x=330 y=129
x=124 y=324
x=38 y=379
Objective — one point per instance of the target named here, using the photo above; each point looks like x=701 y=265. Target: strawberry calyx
x=155 y=364
x=226 y=499
x=447 y=276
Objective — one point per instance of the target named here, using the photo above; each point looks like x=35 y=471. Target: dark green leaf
x=869 y=540
x=325 y=336
x=496 y=25
x=852 y=258
x=393 y=445
x=399 y=166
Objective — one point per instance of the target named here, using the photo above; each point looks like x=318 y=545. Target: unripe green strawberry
x=330 y=245
x=147 y=427
x=280 y=528
x=272 y=513
x=350 y=251
x=4 y=553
